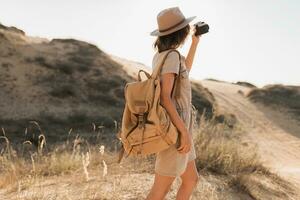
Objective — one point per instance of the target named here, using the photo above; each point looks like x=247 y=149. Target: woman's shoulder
x=172 y=59
x=172 y=55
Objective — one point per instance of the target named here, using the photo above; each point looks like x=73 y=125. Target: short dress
x=170 y=162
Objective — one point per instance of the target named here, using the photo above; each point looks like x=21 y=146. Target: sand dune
x=279 y=148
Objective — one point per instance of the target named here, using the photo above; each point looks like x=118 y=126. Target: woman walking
x=173 y=29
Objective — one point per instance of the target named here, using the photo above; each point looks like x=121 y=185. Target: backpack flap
x=139 y=96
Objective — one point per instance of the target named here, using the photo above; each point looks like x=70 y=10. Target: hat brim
x=180 y=26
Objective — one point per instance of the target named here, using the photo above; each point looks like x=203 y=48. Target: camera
x=201 y=28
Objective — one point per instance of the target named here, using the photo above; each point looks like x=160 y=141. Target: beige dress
x=170 y=162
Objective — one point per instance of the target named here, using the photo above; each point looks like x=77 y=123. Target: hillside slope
x=279 y=147
x=62 y=80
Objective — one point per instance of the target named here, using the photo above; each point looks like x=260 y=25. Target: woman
x=173 y=29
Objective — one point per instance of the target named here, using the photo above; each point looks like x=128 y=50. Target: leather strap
x=157 y=71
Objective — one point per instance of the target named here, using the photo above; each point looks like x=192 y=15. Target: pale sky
x=256 y=41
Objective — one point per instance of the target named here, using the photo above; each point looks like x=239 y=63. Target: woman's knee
x=166 y=185
x=191 y=182
x=159 y=191
x=162 y=185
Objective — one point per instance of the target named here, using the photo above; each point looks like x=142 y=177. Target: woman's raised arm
x=191 y=54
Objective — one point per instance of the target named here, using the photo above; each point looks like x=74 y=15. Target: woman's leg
x=189 y=179
x=161 y=187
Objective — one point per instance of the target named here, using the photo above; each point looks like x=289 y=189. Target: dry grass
x=220 y=151
x=229 y=170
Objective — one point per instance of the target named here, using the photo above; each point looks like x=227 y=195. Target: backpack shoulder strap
x=175 y=89
x=157 y=70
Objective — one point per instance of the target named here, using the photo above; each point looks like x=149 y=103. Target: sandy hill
x=278 y=96
x=271 y=117
x=59 y=83
x=65 y=83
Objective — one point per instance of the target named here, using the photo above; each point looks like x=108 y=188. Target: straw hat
x=170 y=20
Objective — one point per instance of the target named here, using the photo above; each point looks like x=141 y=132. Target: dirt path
x=278 y=148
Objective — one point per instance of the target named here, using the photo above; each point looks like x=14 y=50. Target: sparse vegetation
x=216 y=80
x=220 y=151
x=12 y=29
x=246 y=84
x=71 y=76
x=203 y=100
x=278 y=96
x=63 y=91
x=220 y=155
x=227 y=119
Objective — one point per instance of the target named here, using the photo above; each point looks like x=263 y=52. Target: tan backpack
x=146 y=126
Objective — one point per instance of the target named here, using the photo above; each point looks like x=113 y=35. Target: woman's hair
x=172 y=40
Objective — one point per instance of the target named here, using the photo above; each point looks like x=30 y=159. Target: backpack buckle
x=141 y=120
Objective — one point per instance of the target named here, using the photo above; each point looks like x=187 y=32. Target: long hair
x=172 y=40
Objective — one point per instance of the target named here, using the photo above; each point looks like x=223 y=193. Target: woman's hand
x=195 y=39
x=185 y=139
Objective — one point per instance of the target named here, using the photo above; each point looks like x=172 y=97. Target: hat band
x=164 y=30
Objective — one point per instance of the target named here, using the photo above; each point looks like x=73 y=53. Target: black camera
x=201 y=28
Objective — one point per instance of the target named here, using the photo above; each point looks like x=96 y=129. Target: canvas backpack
x=146 y=127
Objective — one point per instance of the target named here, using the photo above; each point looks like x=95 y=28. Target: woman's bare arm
x=191 y=54
x=167 y=103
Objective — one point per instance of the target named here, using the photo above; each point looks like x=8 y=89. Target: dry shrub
x=220 y=151
x=278 y=95
x=10 y=171
x=245 y=84
x=18 y=167
x=203 y=100
x=58 y=163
